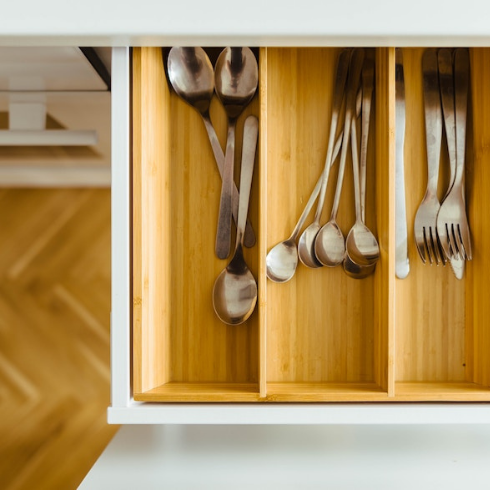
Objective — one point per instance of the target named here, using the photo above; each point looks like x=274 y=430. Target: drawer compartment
x=322 y=336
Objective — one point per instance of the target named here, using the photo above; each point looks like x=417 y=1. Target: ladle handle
x=223 y=235
x=250 y=134
x=249 y=239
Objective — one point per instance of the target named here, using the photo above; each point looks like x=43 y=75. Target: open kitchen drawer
x=321 y=336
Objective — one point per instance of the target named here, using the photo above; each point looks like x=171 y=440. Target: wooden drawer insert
x=322 y=336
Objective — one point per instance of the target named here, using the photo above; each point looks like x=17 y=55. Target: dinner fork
x=425 y=227
x=452 y=222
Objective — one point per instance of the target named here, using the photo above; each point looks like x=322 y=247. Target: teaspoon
x=282 y=259
x=235 y=289
x=236 y=80
x=362 y=247
x=191 y=75
x=306 y=243
x=329 y=242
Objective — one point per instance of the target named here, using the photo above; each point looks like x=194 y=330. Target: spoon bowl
x=281 y=261
x=235 y=293
x=362 y=246
x=192 y=76
x=306 y=246
x=330 y=245
x=357 y=271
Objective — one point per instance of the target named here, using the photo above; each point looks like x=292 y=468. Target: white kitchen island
x=369 y=446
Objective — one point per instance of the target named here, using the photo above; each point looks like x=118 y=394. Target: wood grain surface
x=54 y=336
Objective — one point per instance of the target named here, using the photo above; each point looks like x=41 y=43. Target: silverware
x=282 y=259
x=402 y=264
x=235 y=289
x=425 y=227
x=236 y=80
x=329 y=243
x=306 y=245
x=361 y=245
x=191 y=75
x=452 y=222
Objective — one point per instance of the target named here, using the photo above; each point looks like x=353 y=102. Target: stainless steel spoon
x=351 y=268
x=235 y=289
x=306 y=243
x=282 y=259
x=236 y=80
x=191 y=75
x=361 y=245
x=329 y=242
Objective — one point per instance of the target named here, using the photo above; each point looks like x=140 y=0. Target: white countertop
x=255 y=22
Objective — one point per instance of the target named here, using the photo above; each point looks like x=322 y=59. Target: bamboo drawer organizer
x=322 y=336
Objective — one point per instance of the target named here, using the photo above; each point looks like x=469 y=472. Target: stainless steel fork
x=452 y=222
x=425 y=227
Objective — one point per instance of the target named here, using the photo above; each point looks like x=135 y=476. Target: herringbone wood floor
x=54 y=335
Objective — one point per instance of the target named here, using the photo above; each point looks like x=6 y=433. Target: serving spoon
x=191 y=75
x=235 y=289
x=236 y=78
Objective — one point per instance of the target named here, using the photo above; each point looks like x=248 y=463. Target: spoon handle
x=315 y=192
x=249 y=239
x=367 y=95
x=352 y=84
x=223 y=234
x=340 y=78
x=250 y=134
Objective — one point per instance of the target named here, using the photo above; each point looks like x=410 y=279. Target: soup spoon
x=235 y=289
x=191 y=75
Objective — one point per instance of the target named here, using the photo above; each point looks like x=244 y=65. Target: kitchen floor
x=54 y=335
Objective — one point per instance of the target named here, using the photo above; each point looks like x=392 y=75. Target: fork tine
x=460 y=242
x=454 y=243
x=443 y=238
x=427 y=244
x=464 y=236
x=419 y=242
x=440 y=250
x=434 y=246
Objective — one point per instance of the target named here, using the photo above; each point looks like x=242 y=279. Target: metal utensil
x=306 y=245
x=282 y=259
x=191 y=75
x=402 y=264
x=425 y=225
x=236 y=79
x=235 y=289
x=329 y=242
x=352 y=269
x=452 y=222
x=361 y=245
